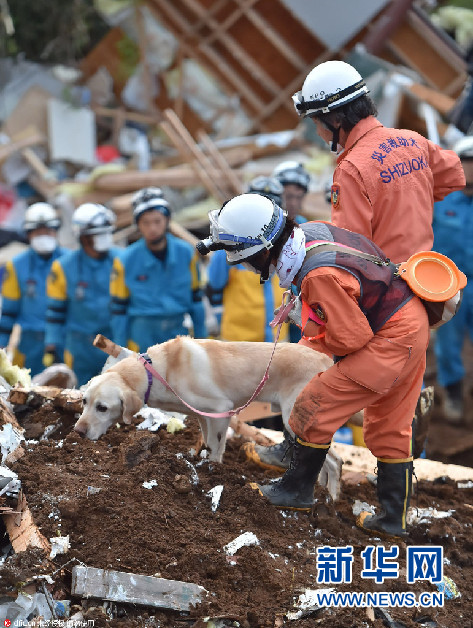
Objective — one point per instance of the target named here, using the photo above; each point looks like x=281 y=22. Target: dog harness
x=144 y=357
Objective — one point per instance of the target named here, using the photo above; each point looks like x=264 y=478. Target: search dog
x=210 y=375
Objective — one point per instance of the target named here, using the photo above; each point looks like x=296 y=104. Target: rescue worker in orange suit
x=386 y=180
x=364 y=315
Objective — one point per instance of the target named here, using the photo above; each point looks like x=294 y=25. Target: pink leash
x=277 y=321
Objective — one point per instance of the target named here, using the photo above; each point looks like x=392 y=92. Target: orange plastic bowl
x=432 y=276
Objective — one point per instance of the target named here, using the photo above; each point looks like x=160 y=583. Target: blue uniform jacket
x=453 y=230
x=78 y=296
x=24 y=292
x=144 y=286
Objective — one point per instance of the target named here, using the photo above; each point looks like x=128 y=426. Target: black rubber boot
x=394 y=488
x=295 y=490
x=275 y=457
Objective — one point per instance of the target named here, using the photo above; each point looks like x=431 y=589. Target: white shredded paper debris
x=149 y=484
x=10 y=438
x=424 y=515
x=59 y=545
x=215 y=493
x=154 y=418
x=247 y=538
x=308 y=601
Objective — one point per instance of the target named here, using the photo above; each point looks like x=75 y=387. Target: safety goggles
x=268 y=186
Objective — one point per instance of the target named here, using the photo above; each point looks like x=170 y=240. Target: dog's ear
x=131 y=403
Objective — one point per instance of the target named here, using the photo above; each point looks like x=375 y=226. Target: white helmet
x=329 y=86
x=41 y=215
x=147 y=199
x=246 y=224
x=92 y=219
x=464 y=147
x=292 y=172
x=267 y=186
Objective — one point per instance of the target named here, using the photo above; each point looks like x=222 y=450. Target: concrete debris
x=119 y=586
x=20 y=610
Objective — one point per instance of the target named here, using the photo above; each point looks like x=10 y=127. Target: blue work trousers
x=449 y=341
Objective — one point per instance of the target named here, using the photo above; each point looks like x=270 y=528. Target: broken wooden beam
x=69 y=399
x=130 y=588
x=7 y=416
x=22 y=530
x=249 y=432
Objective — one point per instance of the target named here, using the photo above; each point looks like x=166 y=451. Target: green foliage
x=129 y=55
x=465 y=4
x=54 y=31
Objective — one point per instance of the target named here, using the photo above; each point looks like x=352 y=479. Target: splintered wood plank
x=441 y=102
x=67 y=398
x=22 y=530
x=119 y=586
x=7 y=416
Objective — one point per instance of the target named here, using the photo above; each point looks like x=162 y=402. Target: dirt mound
x=94 y=492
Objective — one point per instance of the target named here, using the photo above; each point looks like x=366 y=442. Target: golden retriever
x=210 y=375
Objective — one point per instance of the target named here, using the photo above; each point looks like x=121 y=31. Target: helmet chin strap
x=335 y=136
x=264 y=274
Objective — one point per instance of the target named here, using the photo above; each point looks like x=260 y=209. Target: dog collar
x=144 y=357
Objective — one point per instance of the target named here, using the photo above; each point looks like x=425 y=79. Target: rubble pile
x=148 y=504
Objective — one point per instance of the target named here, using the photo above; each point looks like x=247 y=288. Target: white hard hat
x=92 y=218
x=246 y=224
x=148 y=199
x=327 y=87
x=292 y=172
x=267 y=186
x=41 y=215
x=464 y=147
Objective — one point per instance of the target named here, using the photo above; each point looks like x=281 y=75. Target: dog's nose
x=80 y=430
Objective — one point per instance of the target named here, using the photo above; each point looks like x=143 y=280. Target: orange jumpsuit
x=380 y=372
x=385 y=185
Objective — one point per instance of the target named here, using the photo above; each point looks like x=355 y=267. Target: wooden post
x=196 y=165
x=220 y=162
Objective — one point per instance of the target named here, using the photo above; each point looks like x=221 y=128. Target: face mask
x=102 y=242
x=43 y=244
